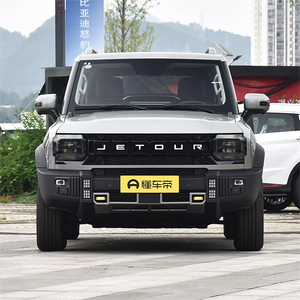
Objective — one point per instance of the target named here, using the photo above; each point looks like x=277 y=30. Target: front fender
x=259 y=157
x=40 y=157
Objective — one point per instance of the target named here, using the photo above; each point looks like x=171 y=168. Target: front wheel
x=249 y=233
x=50 y=227
x=276 y=203
x=296 y=191
x=73 y=227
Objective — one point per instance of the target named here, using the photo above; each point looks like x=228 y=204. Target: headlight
x=68 y=147
x=230 y=147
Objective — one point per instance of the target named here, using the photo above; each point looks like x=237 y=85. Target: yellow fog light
x=100 y=198
x=198 y=198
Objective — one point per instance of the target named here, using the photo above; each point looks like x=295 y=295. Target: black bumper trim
x=224 y=195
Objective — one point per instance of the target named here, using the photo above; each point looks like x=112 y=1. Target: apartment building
x=275 y=37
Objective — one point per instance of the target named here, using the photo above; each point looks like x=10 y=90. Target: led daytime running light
x=229 y=147
x=69 y=148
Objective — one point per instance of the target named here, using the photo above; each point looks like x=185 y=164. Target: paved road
x=148 y=264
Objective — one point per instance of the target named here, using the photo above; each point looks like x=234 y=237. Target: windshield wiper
x=186 y=107
x=111 y=107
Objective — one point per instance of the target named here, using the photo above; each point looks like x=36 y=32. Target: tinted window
x=268 y=123
x=149 y=83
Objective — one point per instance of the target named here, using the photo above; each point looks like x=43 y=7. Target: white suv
x=278 y=131
x=150 y=140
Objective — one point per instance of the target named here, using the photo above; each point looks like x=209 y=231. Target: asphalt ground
x=163 y=264
x=20 y=219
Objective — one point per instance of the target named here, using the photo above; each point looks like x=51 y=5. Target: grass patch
x=26 y=198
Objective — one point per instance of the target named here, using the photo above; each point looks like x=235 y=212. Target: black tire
x=229 y=226
x=296 y=191
x=50 y=227
x=72 y=227
x=276 y=203
x=249 y=233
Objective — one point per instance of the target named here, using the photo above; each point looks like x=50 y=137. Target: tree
x=17 y=159
x=296 y=4
x=124 y=31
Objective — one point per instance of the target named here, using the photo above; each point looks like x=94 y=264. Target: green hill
x=22 y=59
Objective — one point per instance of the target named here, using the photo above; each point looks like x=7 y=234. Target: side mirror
x=258 y=102
x=255 y=104
x=46 y=105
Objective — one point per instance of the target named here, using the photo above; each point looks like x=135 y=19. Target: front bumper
x=209 y=195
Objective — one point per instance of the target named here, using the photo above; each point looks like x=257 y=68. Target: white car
x=10 y=128
x=278 y=131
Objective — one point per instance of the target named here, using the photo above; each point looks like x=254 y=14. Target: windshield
x=148 y=84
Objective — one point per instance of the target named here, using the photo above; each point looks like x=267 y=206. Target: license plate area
x=149 y=184
x=149 y=198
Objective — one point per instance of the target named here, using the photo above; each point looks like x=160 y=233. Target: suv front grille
x=157 y=149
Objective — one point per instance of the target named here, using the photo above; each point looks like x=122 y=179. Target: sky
x=25 y=16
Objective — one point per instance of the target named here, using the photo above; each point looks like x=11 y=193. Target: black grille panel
x=149 y=137
x=118 y=197
x=102 y=149
x=142 y=171
x=74 y=187
x=149 y=160
x=180 y=197
x=224 y=188
x=166 y=198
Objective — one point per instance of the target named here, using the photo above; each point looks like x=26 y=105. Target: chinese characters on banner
x=84 y=24
x=84 y=27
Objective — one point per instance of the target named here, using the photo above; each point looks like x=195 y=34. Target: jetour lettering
x=156 y=147
x=178 y=148
x=140 y=146
x=103 y=147
x=120 y=147
x=197 y=146
x=159 y=147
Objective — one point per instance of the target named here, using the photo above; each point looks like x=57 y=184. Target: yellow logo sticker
x=149 y=184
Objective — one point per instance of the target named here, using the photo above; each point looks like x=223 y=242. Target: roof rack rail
x=224 y=51
x=90 y=50
x=211 y=50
